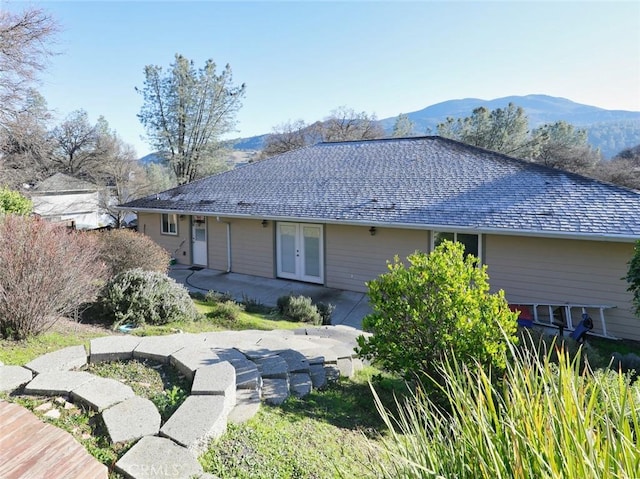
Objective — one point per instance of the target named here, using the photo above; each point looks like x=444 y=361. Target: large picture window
x=170 y=224
x=471 y=242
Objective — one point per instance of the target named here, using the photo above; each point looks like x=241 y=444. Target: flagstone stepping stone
x=247 y=405
x=300 y=384
x=155 y=457
x=332 y=371
x=113 y=348
x=101 y=393
x=346 y=367
x=160 y=348
x=57 y=383
x=275 y=391
x=247 y=374
x=217 y=380
x=131 y=419
x=197 y=421
x=272 y=367
x=188 y=360
x=13 y=377
x=65 y=359
x=318 y=375
x=296 y=361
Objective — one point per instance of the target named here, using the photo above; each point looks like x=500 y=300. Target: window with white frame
x=169 y=224
x=471 y=242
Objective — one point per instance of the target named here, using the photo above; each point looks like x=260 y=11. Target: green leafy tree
x=13 y=202
x=505 y=130
x=633 y=277
x=561 y=145
x=403 y=127
x=438 y=304
x=185 y=112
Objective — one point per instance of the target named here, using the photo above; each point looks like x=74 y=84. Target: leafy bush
x=439 y=304
x=253 y=305
x=123 y=249
x=213 y=297
x=326 y=311
x=13 y=202
x=46 y=272
x=299 y=308
x=546 y=419
x=226 y=310
x=633 y=277
x=139 y=297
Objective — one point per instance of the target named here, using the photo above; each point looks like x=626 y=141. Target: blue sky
x=300 y=60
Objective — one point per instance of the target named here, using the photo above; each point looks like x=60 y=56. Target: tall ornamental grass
x=542 y=419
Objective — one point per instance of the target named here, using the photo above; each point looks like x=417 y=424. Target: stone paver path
x=230 y=373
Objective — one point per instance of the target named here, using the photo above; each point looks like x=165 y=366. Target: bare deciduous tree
x=25 y=144
x=25 y=40
x=344 y=124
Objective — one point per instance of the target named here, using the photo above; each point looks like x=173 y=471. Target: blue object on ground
x=581 y=330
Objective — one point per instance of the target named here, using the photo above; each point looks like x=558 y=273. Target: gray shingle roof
x=415 y=182
x=62 y=183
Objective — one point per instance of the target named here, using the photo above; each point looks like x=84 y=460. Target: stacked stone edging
x=231 y=374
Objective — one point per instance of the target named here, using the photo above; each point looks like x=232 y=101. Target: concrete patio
x=350 y=307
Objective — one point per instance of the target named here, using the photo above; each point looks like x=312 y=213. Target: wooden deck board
x=32 y=449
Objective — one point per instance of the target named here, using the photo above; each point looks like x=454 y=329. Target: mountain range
x=610 y=130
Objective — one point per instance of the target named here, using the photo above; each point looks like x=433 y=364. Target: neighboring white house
x=63 y=198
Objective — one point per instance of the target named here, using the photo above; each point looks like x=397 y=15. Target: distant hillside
x=609 y=130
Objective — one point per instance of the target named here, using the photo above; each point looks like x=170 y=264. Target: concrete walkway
x=350 y=307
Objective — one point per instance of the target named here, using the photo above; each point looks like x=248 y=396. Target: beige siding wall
x=178 y=246
x=544 y=270
x=252 y=247
x=217 y=244
x=353 y=256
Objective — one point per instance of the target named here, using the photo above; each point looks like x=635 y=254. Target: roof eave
x=622 y=238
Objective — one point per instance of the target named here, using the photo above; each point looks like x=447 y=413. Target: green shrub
x=139 y=297
x=546 y=419
x=254 y=305
x=437 y=305
x=15 y=203
x=299 y=308
x=326 y=311
x=227 y=310
x=213 y=297
x=123 y=249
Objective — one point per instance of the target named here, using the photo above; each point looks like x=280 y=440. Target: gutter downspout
x=228 y=246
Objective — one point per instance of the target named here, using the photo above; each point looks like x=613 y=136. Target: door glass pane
x=440 y=236
x=470 y=243
x=288 y=248
x=311 y=251
x=200 y=234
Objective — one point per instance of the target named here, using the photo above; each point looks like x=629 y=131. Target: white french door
x=300 y=252
x=199 y=241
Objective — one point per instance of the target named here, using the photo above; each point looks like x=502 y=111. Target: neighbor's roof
x=60 y=182
x=411 y=182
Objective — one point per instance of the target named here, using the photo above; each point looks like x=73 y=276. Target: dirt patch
x=71 y=327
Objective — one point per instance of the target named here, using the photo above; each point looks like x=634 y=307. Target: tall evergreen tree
x=186 y=111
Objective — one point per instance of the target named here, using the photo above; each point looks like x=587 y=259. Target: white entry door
x=300 y=252
x=199 y=241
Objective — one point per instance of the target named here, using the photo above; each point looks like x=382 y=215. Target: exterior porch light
x=372 y=230
x=264 y=223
